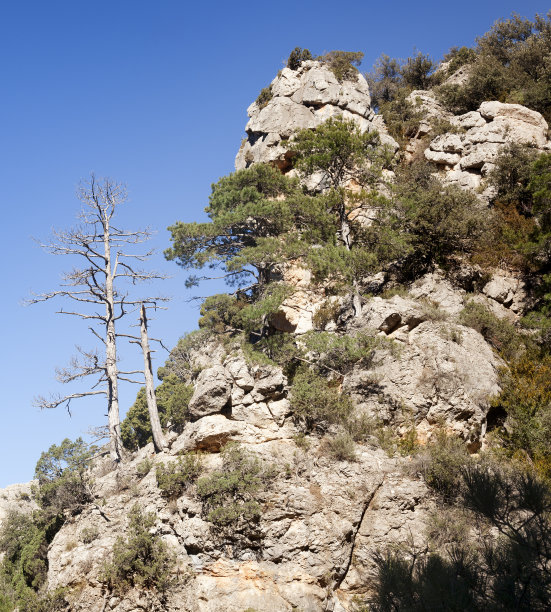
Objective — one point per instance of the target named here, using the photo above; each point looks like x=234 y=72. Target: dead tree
x=108 y=266
x=156 y=430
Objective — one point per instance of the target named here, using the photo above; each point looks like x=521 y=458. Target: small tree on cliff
x=259 y=219
x=343 y=154
x=107 y=264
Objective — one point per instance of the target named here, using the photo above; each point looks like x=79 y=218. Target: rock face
x=322 y=519
x=16 y=497
x=441 y=373
x=468 y=156
x=304 y=98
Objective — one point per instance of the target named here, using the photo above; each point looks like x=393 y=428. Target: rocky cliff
x=323 y=517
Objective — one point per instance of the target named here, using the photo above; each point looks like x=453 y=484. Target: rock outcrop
x=469 y=155
x=303 y=99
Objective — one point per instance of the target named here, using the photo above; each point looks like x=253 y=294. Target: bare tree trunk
x=115 y=440
x=345 y=237
x=158 y=438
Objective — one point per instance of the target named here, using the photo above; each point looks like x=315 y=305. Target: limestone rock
x=16 y=498
x=212 y=392
x=506 y=290
x=303 y=99
x=466 y=158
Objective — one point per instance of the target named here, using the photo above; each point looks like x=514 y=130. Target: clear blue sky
x=153 y=94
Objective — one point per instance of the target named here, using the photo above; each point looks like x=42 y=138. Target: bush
x=144 y=467
x=509 y=63
x=417 y=72
x=437 y=222
x=511 y=176
x=501 y=334
x=89 y=534
x=341 y=447
x=264 y=96
x=343 y=64
x=458 y=57
x=443 y=464
x=401 y=117
x=326 y=313
x=231 y=495
x=315 y=404
x=298 y=56
x=181 y=361
x=526 y=399
x=142 y=559
x=339 y=354
x=175 y=477
x=63 y=482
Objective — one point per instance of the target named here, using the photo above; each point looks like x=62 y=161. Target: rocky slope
x=322 y=519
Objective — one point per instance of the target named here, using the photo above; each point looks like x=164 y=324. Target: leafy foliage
x=526 y=399
x=175 y=477
x=264 y=96
x=343 y=64
x=316 y=404
x=509 y=63
x=501 y=334
x=508 y=572
x=63 y=484
x=297 y=56
x=63 y=488
x=231 y=496
x=142 y=559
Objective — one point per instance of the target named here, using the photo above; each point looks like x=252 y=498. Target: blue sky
x=152 y=94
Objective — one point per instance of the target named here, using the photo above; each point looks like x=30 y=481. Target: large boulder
x=212 y=392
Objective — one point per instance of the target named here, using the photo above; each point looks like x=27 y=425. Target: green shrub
x=437 y=221
x=511 y=176
x=63 y=481
x=341 y=447
x=443 y=463
x=343 y=64
x=526 y=400
x=326 y=313
x=89 y=534
x=315 y=404
x=144 y=467
x=142 y=559
x=181 y=359
x=402 y=118
x=264 y=96
x=331 y=352
x=501 y=334
x=417 y=71
x=175 y=477
x=509 y=63
x=231 y=495
x=297 y=56
x=459 y=57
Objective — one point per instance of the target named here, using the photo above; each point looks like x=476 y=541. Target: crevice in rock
x=366 y=507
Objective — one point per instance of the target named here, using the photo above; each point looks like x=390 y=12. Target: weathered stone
x=304 y=99
x=439 y=157
x=237 y=367
x=212 y=392
x=450 y=143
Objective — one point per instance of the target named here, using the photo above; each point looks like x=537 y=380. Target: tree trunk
x=158 y=438
x=115 y=440
x=345 y=237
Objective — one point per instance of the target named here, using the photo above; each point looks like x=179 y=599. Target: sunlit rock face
x=301 y=99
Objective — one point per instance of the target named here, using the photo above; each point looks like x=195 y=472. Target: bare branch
x=56 y=400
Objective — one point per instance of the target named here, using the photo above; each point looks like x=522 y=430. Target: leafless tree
x=108 y=266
